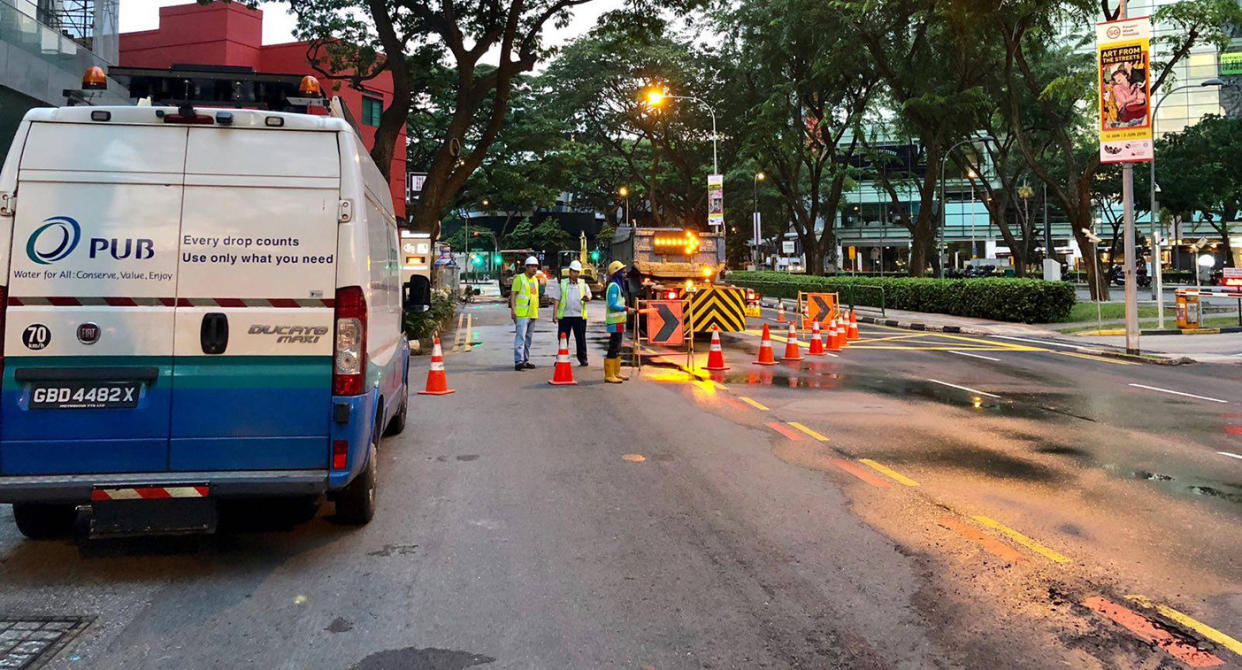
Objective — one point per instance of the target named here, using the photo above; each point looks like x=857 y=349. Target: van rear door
x=254 y=317
x=92 y=277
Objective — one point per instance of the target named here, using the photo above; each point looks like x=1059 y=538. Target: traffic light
x=497 y=259
x=594 y=256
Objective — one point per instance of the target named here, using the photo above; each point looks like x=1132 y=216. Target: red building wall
x=229 y=33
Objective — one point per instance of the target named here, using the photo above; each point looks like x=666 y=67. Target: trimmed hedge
x=999 y=299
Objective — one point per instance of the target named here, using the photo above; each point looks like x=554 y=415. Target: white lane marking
x=1188 y=395
x=964 y=388
x=963 y=353
x=1230 y=455
x=1042 y=342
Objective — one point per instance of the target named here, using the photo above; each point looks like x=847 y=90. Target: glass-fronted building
x=45 y=48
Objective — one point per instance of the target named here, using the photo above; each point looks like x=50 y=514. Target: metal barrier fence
x=852 y=294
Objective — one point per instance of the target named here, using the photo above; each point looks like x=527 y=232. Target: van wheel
x=397 y=423
x=40 y=521
x=355 y=505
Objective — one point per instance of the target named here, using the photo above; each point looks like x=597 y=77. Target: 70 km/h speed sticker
x=36 y=336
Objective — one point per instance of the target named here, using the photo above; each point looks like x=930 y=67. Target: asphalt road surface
x=917 y=500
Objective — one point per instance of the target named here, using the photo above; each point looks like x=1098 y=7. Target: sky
x=278 y=22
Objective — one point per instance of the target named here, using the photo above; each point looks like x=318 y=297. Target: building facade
x=45 y=48
x=228 y=36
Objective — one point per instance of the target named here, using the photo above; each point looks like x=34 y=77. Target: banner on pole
x=715 y=199
x=1123 y=51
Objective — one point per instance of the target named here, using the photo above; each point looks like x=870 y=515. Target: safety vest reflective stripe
x=526 y=297
x=614 y=296
x=560 y=304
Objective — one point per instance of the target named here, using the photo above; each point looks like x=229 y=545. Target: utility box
x=1187 y=310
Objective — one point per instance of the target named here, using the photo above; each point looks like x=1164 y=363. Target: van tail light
x=671 y=295
x=340 y=454
x=350 y=350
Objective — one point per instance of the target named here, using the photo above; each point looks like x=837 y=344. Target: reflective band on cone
x=765 y=349
x=437 y=383
x=817 y=340
x=715 y=356
x=793 y=352
x=563 y=373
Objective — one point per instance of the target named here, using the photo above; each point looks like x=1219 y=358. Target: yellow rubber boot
x=611 y=367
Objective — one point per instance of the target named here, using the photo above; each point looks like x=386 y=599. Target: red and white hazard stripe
x=150 y=493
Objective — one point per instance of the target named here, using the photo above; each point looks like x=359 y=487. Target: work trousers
x=523 y=330
x=576 y=325
x=614 y=345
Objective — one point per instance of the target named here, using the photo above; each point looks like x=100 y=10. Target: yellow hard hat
x=615 y=266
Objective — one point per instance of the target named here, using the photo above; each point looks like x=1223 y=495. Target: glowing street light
x=657 y=97
x=625 y=193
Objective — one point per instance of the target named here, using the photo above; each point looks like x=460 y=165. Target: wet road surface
x=917 y=500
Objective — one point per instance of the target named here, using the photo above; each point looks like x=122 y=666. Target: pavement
x=918 y=500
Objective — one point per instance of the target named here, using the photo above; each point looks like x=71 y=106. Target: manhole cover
x=32 y=641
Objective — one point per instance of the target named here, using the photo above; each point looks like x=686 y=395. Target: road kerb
x=1193 y=624
x=1021 y=539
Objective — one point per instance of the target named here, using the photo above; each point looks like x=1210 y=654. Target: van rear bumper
x=223 y=484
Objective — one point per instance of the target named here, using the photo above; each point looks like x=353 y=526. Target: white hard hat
x=575 y=266
x=531 y=260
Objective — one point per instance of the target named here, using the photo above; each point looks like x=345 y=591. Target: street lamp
x=656 y=98
x=1157 y=263
x=943 y=160
x=757 y=221
x=625 y=193
x=970 y=174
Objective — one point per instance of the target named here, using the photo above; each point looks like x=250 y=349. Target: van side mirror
x=416 y=294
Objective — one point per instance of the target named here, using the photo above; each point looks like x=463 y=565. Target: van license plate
x=84 y=395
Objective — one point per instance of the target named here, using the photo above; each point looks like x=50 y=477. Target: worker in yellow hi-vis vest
x=524 y=310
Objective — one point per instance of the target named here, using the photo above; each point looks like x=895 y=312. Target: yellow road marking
x=808 y=431
x=752 y=403
x=1198 y=626
x=1022 y=540
x=633 y=458
x=888 y=472
x=1101 y=359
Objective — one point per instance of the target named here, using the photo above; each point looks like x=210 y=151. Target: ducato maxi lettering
x=291 y=334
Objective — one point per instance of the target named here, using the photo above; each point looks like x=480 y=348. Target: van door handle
x=214 y=333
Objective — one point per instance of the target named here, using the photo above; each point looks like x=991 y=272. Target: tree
x=666 y=152
x=931 y=57
x=1200 y=170
x=414 y=36
x=799 y=88
x=1060 y=82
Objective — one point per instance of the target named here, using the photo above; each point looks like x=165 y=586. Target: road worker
x=615 y=311
x=524 y=310
x=570 y=310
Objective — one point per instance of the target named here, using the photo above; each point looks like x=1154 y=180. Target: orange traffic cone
x=817 y=340
x=853 y=325
x=765 y=349
x=793 y=352
x=834 y=338
x=437 y=383
x=780 y=313
x=715 y=356
x=563 y=373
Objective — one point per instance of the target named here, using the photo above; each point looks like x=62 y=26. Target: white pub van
x=196 y=306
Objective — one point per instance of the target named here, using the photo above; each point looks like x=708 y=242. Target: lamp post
x=625 y=193
x=970 y=174
x=1157 y=263
x=757 y=221
x=943 y=160
x=656 y=98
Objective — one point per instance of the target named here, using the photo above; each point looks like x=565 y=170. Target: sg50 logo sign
x=59 y=236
